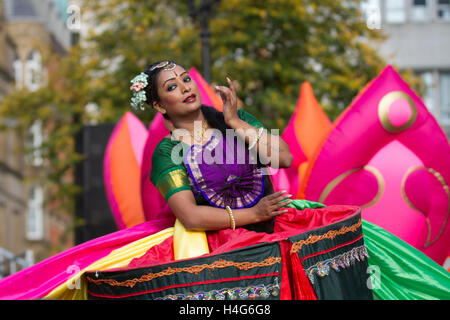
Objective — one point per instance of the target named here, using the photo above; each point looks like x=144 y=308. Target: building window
x=445 y=97
x=35 y=218
x=419 y=10
x=61 y=7
x=443 y=10
x=427 y=79
x=18 y=71
x=36 y=143
x=33 y=71
x=8 y=7
x=395 y=11
x=367 y=6
x=371 y=13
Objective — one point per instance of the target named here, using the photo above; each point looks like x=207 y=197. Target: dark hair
x=151 y=90
x=215 y=118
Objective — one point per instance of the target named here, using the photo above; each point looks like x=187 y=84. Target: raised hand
x=230 y=100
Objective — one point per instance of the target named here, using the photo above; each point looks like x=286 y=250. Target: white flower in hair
x=138 y=84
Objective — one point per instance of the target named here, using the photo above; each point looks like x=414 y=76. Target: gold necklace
x=204 y=127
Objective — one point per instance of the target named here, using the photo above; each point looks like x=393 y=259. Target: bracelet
x=254 y=143
x=232 y=221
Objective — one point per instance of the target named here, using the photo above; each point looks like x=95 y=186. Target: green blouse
x=170 y=177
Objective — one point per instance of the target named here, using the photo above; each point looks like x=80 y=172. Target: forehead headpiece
x=167 y=65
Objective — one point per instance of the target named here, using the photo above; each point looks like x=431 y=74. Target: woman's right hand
x=269 y=206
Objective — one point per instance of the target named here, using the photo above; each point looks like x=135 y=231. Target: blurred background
x=66 y=66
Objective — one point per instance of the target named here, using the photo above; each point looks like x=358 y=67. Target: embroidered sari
x=215 y=180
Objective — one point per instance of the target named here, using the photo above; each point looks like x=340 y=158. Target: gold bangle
x=255 y=142
x=232 y=220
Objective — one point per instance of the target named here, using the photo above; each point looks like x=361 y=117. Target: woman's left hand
x=230 y=100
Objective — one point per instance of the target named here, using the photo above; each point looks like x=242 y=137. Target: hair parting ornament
x=167 y=65
x=140 y=82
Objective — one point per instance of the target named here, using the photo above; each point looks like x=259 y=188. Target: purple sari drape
x=225 y=173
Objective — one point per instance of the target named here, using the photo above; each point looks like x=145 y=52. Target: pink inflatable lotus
x=387 y=154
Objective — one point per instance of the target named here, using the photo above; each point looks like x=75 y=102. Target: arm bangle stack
x=255 y=142
x=232 y=221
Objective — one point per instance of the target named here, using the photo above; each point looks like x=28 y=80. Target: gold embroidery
x=172 y=180
x=192 y=269
x=297 y=246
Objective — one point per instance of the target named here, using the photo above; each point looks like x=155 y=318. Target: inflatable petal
x=343 y=186
x=392 y=163
x=425 y=191
x=153 y=203
x=280 y=179
x=305 y=131
x=388 y=130
x=122 y=171
x=311 y=124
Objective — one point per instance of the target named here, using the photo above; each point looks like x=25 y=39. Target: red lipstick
x=190 y=99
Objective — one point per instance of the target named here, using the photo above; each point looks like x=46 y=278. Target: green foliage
x=267 y=47
x=135 y=34
x=272 y=47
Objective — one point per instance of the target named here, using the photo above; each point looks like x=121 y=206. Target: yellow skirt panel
x=75 y=288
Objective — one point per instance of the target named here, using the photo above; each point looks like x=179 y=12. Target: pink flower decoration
x=137 y=86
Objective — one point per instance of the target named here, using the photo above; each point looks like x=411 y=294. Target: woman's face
x=178 y=93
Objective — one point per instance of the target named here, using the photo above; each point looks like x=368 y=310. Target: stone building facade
x=418 y=38
x=29 y=31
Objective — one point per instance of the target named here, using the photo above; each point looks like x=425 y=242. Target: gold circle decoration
x=383 y=111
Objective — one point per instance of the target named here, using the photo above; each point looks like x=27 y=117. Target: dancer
x=233 y=236
x=211 y=171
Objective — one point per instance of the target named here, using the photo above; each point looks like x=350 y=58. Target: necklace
x=198 y=136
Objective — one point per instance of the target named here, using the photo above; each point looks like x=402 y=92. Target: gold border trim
x=381 y=185
x=195 y=269
x=173 y=180
x=333 y=184
x=440 y=178
x=297 y=246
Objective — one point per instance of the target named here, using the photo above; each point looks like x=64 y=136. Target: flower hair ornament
x=140 y=82
x=137 y=88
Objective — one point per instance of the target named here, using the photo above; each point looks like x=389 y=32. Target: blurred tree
x=267 y=47
x=270 y=47
x=128 y=36
x=122 y=39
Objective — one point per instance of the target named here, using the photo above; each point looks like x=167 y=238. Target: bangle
x=232 y=221
x=255 y=142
